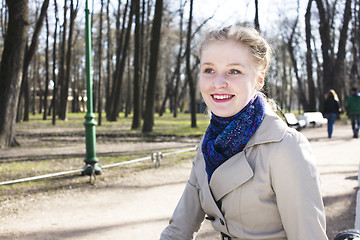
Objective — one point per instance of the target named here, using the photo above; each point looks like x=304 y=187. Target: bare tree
x=332 y=68
x=309 y=62
x=192 y=87
x=62 y=51
x=178 y=61
x=154 y=52
x=29 y=53
x=12 y=61
x=47 y=77
x=109 y=54
x=256 y=20
x=291 y=48
x=100 y=63
x=55 y=88
x=65 y=86
x=136 y=121
x=114 y=105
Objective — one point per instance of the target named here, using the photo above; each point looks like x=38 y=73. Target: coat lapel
x=237 y=170
x=230 y=175
x=209 y=205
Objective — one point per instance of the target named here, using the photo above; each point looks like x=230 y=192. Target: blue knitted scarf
x=227 y=136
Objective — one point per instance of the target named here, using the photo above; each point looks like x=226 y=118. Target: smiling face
x=229 y=77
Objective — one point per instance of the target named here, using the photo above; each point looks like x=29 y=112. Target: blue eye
x=209 y=70
x=234 y=71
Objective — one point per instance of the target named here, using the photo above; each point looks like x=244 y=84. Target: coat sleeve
x=296 y=183
x=188 y=215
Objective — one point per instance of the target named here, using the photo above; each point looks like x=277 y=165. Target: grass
x=41 y=134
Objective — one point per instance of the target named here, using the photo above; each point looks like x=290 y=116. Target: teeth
x=221 y=97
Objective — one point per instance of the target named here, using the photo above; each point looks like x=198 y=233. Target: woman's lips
x=222 y=97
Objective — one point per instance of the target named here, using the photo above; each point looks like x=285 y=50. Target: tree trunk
x=39 y=79
x=119 y=39
x=324 y=29
x=55 y=89
x=46 y=69
x=109 y=56
x=256 y=20
x=65 y=86
x=301 y=92
x=136 y=121
x=11 y=69
x=100 y=63
x=311 y=91
x=145 y=52
x=168 y=93
x=339 y=70
x=61 y=76
x=333 y=69
x=119 y=72
x=128 y=102
x=178 y=62
x=192 y=86
x=29 y=53
x=154 y=52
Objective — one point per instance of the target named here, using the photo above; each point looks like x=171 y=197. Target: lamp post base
x=91 y=169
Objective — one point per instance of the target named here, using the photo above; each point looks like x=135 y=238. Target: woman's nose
x=220 y=81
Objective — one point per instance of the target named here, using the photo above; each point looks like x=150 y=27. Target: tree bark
x=65 y=86
x=333 y=68
x=178 y=62
x=11 y=69
x=47 y=77
x=119 y=72
x=256 y=20
x=339 y=70
x=55 y=89
x=100 y=64
x=192 y=86
x=29 y=53
x=311 y=91
x=136 y=121
x=154 y=52
x=324 y=29
x=301 y=92
x=61 y=76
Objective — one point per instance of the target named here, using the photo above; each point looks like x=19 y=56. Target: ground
x=139 y=203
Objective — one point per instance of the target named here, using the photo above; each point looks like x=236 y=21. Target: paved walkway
x=139 y=207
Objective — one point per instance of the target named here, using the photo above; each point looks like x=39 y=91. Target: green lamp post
x=92 y=166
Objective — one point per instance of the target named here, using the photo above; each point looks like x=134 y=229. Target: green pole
x=91 y=160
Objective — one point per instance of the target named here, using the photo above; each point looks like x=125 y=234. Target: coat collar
x=236 y=170
x=272 y=129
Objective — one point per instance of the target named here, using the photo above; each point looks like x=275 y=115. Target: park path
x=139 y=206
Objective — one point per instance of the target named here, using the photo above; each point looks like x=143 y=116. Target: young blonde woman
x=252 y=177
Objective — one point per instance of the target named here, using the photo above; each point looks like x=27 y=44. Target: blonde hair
x=250 y=37
x=332 y=93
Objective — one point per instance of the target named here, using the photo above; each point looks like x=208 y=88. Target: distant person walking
x=331 y=110
x=352 y=107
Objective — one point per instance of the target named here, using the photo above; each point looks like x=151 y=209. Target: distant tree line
x=144 y=60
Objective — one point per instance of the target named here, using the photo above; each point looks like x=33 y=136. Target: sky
x=229 y=12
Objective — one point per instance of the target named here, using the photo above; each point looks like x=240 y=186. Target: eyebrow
x=229 y=65
x=235 y=65
x=207 y=63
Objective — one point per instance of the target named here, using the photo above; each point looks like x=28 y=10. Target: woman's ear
x=260 y=80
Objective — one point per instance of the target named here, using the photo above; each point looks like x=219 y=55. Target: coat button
x=210 y=218
x=222 y=222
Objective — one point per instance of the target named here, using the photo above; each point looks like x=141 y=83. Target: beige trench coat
x=269 y=191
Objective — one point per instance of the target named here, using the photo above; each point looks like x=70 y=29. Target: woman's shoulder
x=277 y=128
